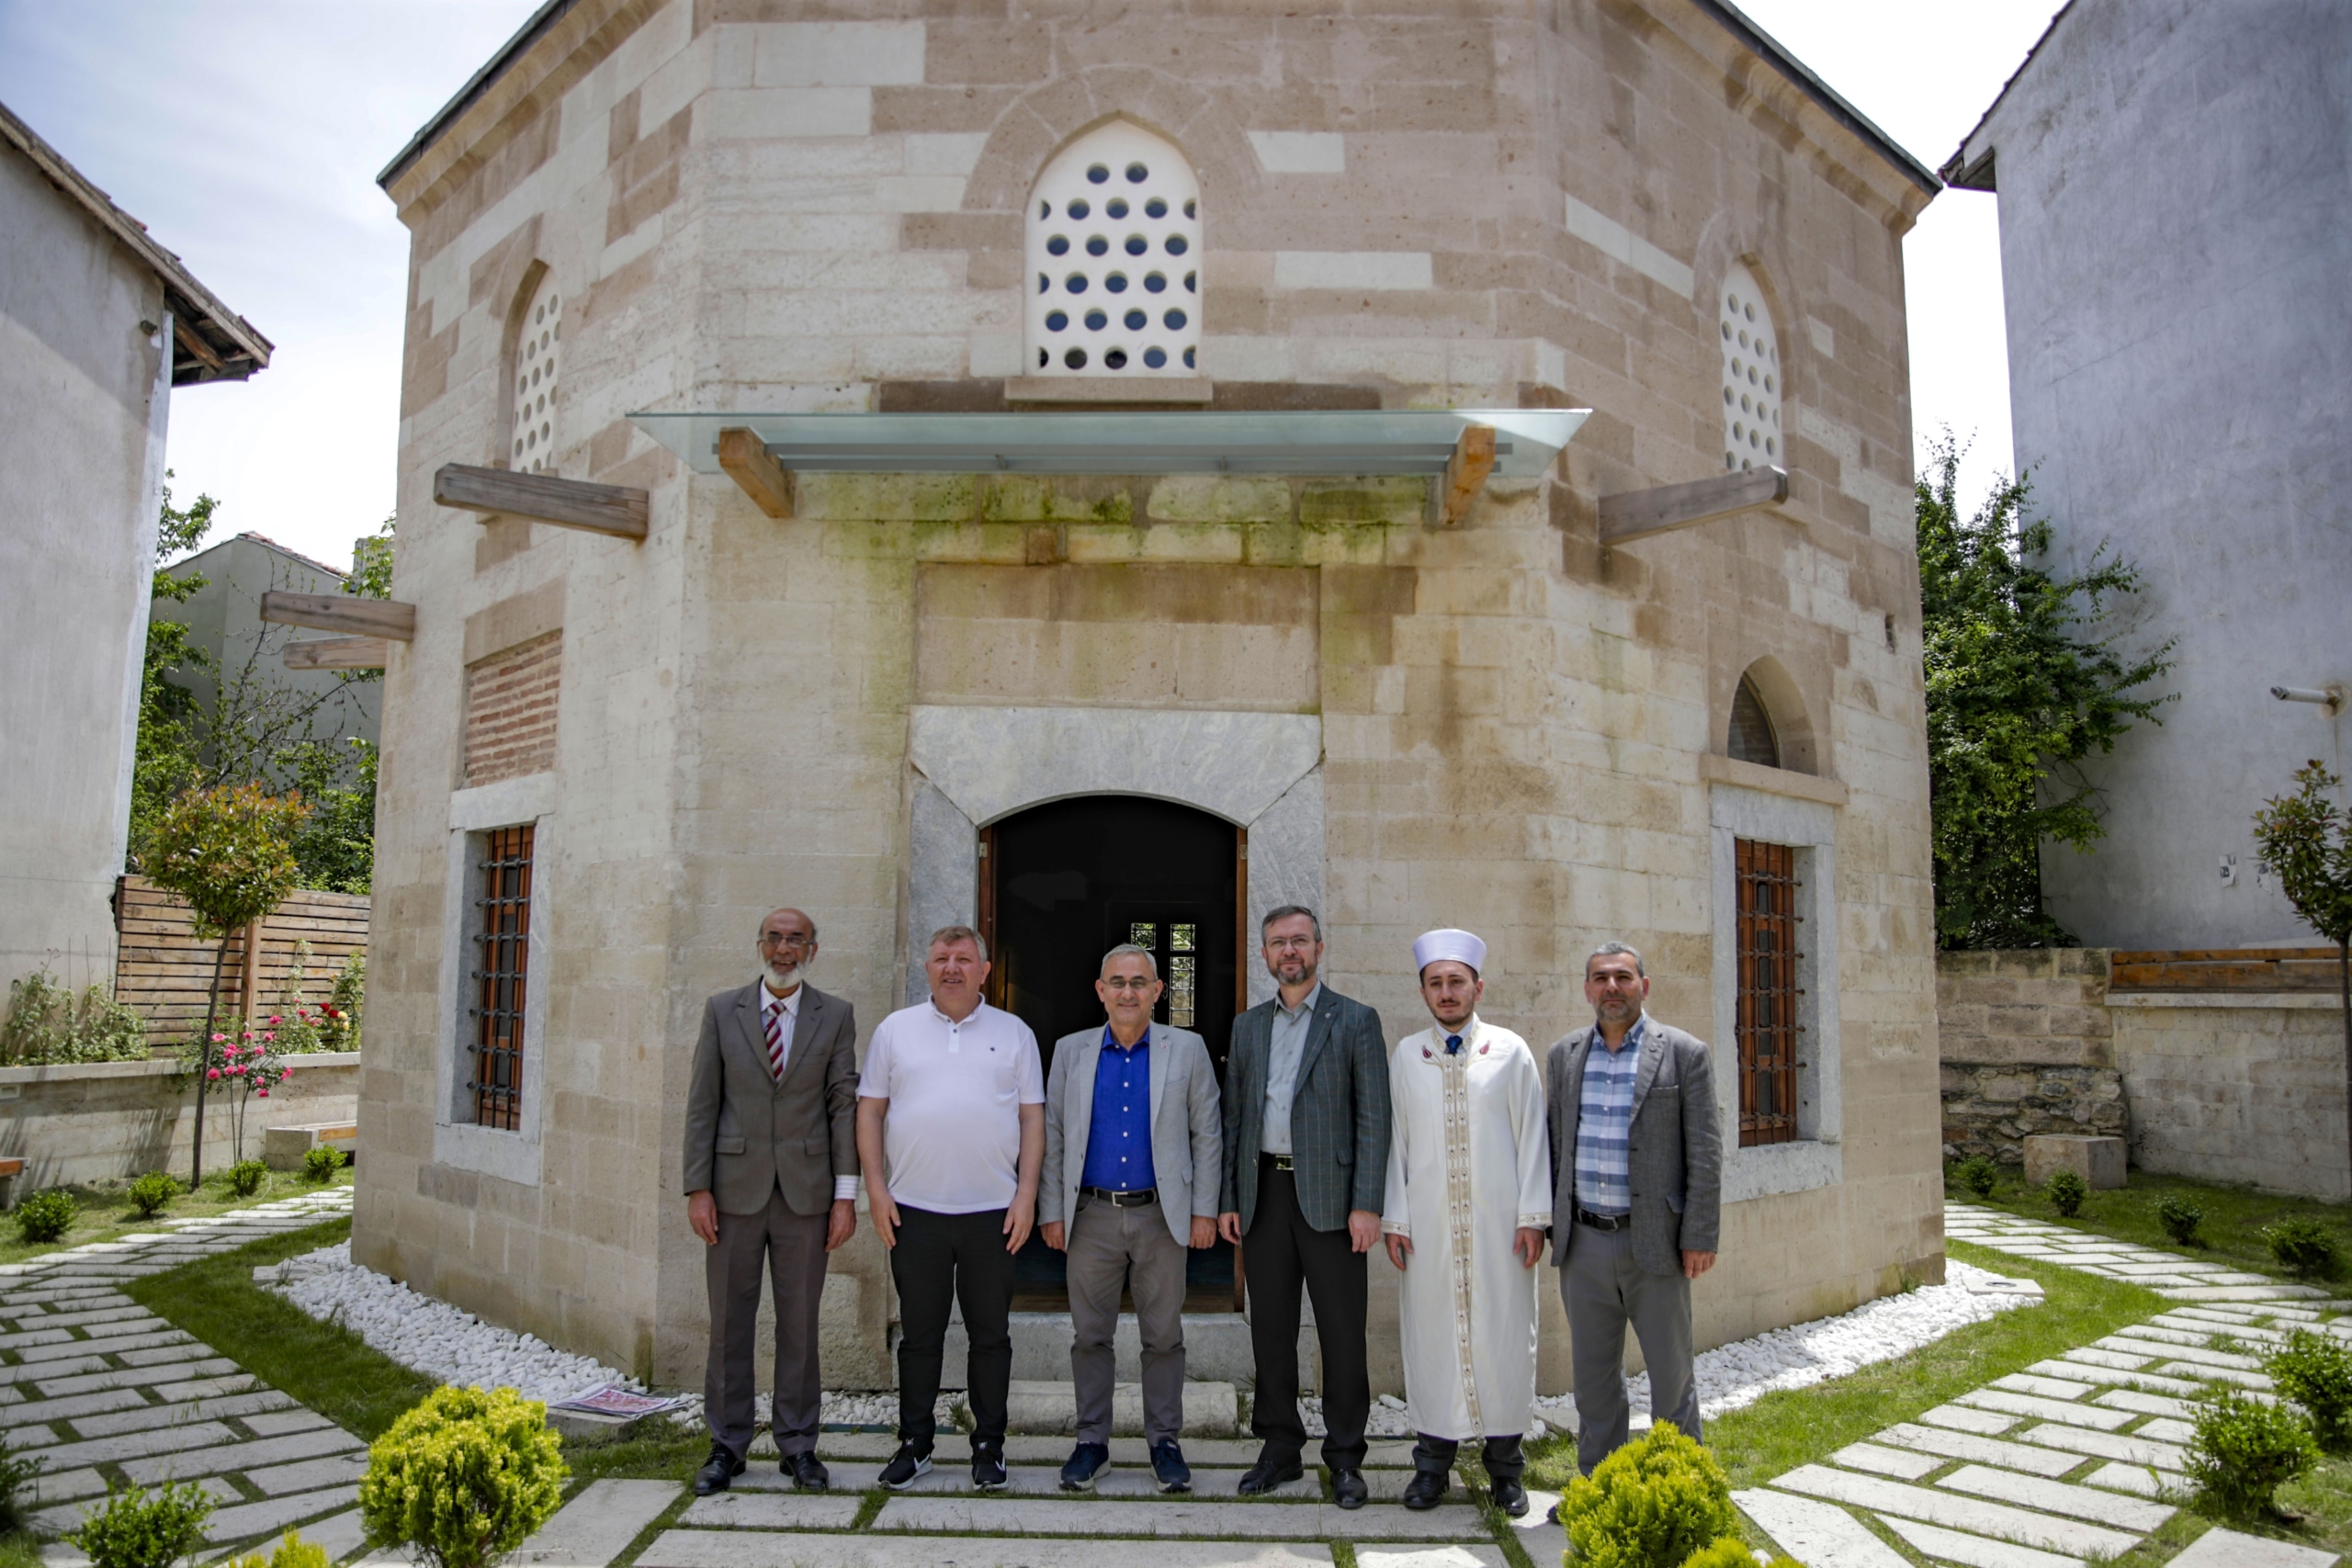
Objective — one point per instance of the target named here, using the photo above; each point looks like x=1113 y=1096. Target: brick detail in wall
x=510 y=711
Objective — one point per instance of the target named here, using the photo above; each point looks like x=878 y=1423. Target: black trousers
x=943 y=1260
x=1282 y=1252
x=1504 y=1458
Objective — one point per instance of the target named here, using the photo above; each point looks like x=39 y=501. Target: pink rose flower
x=285 y=1073
x=275 y=1020
x=271 y=1037
x=248 y=1034
x=218 y=1039
x=213 y=1073
x=265 y=1093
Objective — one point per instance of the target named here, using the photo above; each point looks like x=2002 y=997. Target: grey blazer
x=1185 y=1137
x=1676 y=1159
x=1339 y=1115
x=746 y=1133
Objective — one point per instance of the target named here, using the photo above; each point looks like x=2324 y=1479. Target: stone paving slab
x=1268 y=1521
x=2172 y=1345
x=1818 y=1535
x=53 y=1387
x=724 y=1548
x=2168 y=1430
x=1544 y=1542
x=1965 y=1418
x=1956 y=1511
x=1045 y=1481
x=2127 y=1402
x=2219 y=1548
x=2105 y=1419
x=2047 y=1387
x=150 y=1415
x=2219 y=1374
x=209 y=1387
x=772 y=1510
x=334 y=1469
x=32 y=1336
x=596 y=1526
x=272 y=1516
x=27 y=1373
x=63 y=1486
x=238 y=1456
x=2238 y=1292
x=277 y=1424
x=2138 y=1479
x=1950 y=1445
x=138 y=1445
x=2056 y=1497
x=1903 y=1464
x=1974 y=1550
x=2132 y=1448
x=2095 y=1373
x=1430 y=1557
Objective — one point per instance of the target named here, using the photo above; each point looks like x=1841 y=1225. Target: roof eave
x=1770 y=48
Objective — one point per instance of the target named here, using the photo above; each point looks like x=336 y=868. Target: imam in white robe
x=1469 y=1163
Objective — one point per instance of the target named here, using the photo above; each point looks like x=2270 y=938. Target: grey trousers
x=1110 y=1248
x=1603 y=1289
x=794 y=1246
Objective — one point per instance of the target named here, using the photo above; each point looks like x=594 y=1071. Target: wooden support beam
x=342 y=613
x=188 y=338
x=338 y=653
x=1639 y=513
x=1465 y=473
x=568 y=503
x=755 y=470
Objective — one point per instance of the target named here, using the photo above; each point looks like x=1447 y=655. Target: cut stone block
x=1956 y=1511
x=2048 y=1409
x=1816 y=1534
x=1945 y=1444
x=2056 y=1497
x=2137 y=1478
x=1900 y=1463
x=1974 y=1550
x=1258 y=1521
x=1210 y=1409
x=2136 y=1448
x=597 y=1526
x=2098 y=1160
x=2227 y=1549
x=2048 y=1388
x=1961 y=1417
x=727 y=1548
x=272 y=1516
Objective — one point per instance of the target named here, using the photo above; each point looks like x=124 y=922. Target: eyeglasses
x=1128 y=983
x=786 y=939
x=1290 y=943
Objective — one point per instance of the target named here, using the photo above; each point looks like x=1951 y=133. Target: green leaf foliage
x=2315 y=1371
x=2245 y=1450
x=292 y=1551
x=2022 y=684
x=1976 y=1175
x=2302 y=1245
x=18 y=1473
x=140 y=1530
x=2067 y=1189
x=1732 y=1552
x=335 y=846
x=2180 y=1217
x=2305 y=841
x=320 y=1162
x=229 y=851
x=47 y=1024
x=153 y=1193
x=371 y=563
x=464 y=1477
x=1654 y=1504
x=247 y=1176
x=45 y=1216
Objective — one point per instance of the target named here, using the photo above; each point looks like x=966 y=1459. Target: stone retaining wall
x=106 y=1120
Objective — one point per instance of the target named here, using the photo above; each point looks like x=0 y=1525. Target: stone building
x=98 y=324
x=2179 y=383
x=845 y=555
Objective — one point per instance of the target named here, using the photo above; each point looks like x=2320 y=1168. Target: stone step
x=1263 y=1521
x=2057 y=1497
x=1955 y=1511
x=732 y=1549
x=1818 y=1535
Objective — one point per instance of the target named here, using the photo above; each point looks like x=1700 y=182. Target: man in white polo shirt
x=951 y=1133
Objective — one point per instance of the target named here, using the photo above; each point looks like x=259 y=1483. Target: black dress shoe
x=1348 y=1489
x=808 y=1472
x=720 y=1467
x=1509 y=1497
x=1270 y=1472
x=1425 y=1490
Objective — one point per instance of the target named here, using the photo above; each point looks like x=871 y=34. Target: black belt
x=1135 y=1200
x=1604 y=1222
x=1278 y=1162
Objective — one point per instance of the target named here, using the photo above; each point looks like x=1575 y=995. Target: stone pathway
x=2070 y=1459
x=104 y=1392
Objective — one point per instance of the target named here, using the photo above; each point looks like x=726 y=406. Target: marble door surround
x=975 y=765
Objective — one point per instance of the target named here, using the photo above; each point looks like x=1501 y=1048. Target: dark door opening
x=1060 y=885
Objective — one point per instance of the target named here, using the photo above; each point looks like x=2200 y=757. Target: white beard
x=779 y=981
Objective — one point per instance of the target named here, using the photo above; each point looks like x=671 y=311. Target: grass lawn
x=2231 y=1233
x=108 y=1214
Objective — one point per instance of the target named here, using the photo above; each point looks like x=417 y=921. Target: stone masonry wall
x=110 y=1121
x=2027 y=1047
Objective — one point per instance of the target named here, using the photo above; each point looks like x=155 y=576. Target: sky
x=247 y=135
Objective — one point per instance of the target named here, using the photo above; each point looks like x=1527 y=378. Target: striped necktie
x=776 y=1039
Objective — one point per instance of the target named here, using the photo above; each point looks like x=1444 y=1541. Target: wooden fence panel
x=2228 y=969
x=164 y=971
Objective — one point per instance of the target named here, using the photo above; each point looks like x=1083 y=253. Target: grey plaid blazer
x=1677 y=1160
x=1339 y=1117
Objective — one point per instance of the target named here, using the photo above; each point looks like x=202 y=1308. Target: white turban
x=1461 y=946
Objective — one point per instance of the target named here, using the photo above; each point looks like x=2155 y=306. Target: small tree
x=2305 y=841
x=229 y=851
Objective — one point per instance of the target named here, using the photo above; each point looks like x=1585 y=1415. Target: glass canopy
x=1340 y=442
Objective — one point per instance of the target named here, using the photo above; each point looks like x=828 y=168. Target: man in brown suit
x=770 y=1152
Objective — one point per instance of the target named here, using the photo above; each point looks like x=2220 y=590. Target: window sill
x=1766 y=1170
x=1770 y=780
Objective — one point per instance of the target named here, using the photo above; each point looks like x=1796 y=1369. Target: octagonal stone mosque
x=1101 y=471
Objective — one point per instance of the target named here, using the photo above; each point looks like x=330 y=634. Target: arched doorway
x=1063 y=883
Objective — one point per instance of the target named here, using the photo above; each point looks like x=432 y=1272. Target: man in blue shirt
x=1133 y=1143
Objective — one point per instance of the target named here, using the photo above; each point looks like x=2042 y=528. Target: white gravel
x=443 y=1342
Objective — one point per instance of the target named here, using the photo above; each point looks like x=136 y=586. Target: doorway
x=1064 y=882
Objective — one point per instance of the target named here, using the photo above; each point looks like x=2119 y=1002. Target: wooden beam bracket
x=338 y=653
x=1465 y=473
x=342 y=613
x=755 y=471
x=616 y=510
x=1641 y=513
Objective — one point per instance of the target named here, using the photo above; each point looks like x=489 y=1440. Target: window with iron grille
x=1768 y=1027
x=501 y=977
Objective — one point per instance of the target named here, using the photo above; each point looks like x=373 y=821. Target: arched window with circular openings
x=1751 y=362
x=1113 y=247
x=539 y=345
